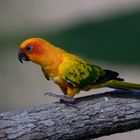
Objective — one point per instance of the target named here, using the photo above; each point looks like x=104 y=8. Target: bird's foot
x=63 y=99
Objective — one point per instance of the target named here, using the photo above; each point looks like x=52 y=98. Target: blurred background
x=105 y=32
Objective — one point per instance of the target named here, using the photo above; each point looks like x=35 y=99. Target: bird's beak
x=22 y=56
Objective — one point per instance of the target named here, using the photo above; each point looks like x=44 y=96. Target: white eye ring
x=29 y=48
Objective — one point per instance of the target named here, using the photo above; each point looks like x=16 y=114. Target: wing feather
x=79 y=72
x=45 y=74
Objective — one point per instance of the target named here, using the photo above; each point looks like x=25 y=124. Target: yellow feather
x=69 y=71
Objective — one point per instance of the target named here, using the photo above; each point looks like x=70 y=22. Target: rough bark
x=90 y=117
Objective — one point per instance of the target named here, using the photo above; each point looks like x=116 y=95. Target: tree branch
x=94 y=116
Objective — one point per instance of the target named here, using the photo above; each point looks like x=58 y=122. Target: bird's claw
x=63 y=99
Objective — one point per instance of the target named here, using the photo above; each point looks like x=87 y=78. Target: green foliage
x=114 y=39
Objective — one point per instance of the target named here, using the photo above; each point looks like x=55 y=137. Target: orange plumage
x=70 y=72
x=49 y=58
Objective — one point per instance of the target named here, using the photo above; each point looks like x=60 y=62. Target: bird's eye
x=29 y=48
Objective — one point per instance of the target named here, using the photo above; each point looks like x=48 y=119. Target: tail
x=122 y=85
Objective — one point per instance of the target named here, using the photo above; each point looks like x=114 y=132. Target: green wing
x=79 y=72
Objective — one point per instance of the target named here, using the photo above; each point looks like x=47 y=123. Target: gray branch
x=89 y=117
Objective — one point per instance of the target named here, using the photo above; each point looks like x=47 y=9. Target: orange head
x=33 y=49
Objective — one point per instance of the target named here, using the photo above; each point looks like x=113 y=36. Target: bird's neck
x=52 y=60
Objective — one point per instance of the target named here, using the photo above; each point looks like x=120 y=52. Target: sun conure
x=70 y=72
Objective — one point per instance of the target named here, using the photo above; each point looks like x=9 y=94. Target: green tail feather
x=122 y=85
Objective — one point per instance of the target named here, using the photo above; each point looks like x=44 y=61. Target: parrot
x=70 y=72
